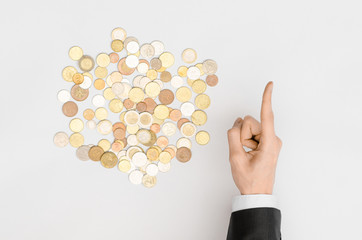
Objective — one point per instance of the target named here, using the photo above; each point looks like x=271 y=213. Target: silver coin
x=147 y=50
x=132 y=61
x=188 y=129
x=132 y=140
x=87 y=83
x=193 y=73
x=61 y=139
x=152 y=169
x=135 y=177
x=159 y=47
x=128 y=40
x=164 y=167
x=98 y=100
x=187 y=109
x=169 y=129
x=104 y=127
x=209 y=67
x=177 y=81
x=132 y=47
x=142 y=68
x=183 y=142
x=189 y=55
x=63 y=95
x=117 y=88
x=139 y=159
x=91 y=124
x=136 y=81
x=82 y=152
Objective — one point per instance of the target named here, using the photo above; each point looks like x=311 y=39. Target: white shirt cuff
x=243 y=202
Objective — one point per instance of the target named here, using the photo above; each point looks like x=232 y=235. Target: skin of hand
x=254 y=171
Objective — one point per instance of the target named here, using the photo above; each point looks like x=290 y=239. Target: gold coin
x=116 y=105
x=188 y=129
x=104 y=144
x=189 y=55
x=75 y=53
x=149 y=181
x=109 y=160
x=95 y=153
x=136 y=94
x=199 y=86
x=167 y=59
x=78 y=78
x=183 y=94
x=101 y=113
x=152 y=74
x=101 y=72
x=68 y=73
x=121 y=116
x=86 y=63
x=157 y=120
x=117 y=45
x=202 y=137
x=76 y=125
x=108 y=94
x=88 y=114
x=199 y=117
x=161 y=112
x=132 y=129
x=182 y=71
x=76 y=140
x=124 y=166
x=199 y=66
x=152 y=89
x=103 y=60
x=161 y=69
x=190 y=82
x=99 y=84
x=104 y=127
x=165 y=76
x=152 y=154
x=165 y=157
x=202 y=101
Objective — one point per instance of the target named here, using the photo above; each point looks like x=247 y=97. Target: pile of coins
x=149 y=113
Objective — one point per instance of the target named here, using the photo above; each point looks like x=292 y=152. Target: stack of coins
x=145 y=106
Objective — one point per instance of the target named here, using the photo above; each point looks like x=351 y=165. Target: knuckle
x=232 y=131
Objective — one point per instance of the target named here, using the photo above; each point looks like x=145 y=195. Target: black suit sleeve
x=255 y=224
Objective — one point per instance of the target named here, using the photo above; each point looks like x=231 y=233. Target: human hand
x=254 y=171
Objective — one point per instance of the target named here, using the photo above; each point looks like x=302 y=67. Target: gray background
x=311 y=49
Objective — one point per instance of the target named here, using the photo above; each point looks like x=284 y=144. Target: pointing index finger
x=266 y=115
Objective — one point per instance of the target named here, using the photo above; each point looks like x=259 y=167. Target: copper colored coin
x=99 y=84
x=183 y=154
x=119 y=133
x=182 y=121
x=155 y=128
x=151 y=104
x=212 y=80
x=156 y=63
x=144 y=61
x=118 y=125
x=123 y=68
x=170 y=151
x=117 y=146
x=162 y=141
x=141 y=106
x=78 y=78
x=124 y=140
x=70 y=109
x=79 y=94
x=95 y=153
x=114 y=57
x=166 y=96
x=165 y=76
x=88 y=114
x=175 y=115
x=128 y=103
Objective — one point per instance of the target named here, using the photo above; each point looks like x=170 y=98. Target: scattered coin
x=70 y=109
x=124 y=165
x=149 y=181
x=79 y=94
x=75 y=53
x=209 y=67
x=184 y=142
x=183 y=154
x=86 y=63
x=109 y=160
x=76 y=125
x=95 y=153
x=68 y=73
x=135 y=177
x=104 y=144
x=164 y=167
x=61 y=139
x=189 y=55
x=202 y=137
x=82 y=152
x=63 y=96
x=202 y=101
x=76 y=140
